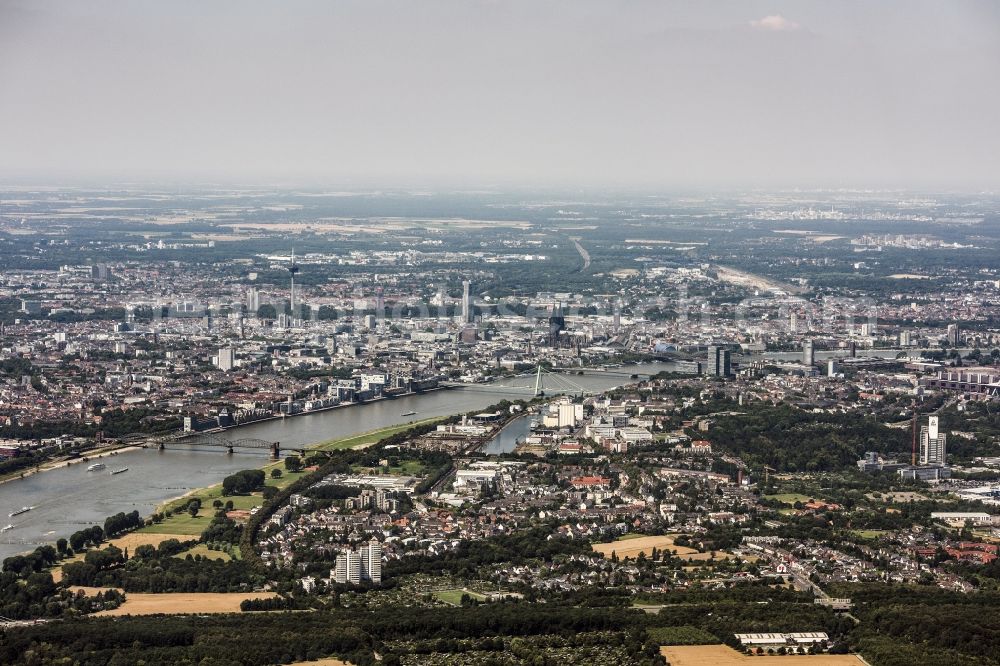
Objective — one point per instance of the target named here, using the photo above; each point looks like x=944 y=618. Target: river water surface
x=67 y=499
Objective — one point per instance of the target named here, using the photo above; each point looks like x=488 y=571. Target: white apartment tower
x=371 y=561
x=339 y=573
x=353 y=567
x=364 y=564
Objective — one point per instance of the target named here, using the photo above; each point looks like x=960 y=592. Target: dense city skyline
x=499 y=332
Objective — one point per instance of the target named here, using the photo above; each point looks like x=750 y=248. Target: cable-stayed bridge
x=543 y=382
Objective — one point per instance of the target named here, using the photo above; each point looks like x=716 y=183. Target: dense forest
x=790 y=439
x=897 y=625
x=158 y=570
x=905 y=625
x=279 y=638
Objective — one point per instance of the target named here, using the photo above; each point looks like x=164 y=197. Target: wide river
x=67 y=499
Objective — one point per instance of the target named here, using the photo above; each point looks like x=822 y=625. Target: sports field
x=722 y=655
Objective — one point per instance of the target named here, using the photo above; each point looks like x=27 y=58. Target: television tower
x=292 y=270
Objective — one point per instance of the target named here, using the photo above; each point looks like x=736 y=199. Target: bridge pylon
x=275 y=450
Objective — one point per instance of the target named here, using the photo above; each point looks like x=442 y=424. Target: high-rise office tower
x=719 y=362
x=808 y=355
x=712 y=361
x=292 y=270
x=466 y=303
x=253 y=301
x=954 y=335
x=100 y=272
x=933 y=444
x=725 y=363
x=225 y=360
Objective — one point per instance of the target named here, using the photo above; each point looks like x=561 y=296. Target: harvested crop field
x=135 y=539
x=632 y=547
x=184 y=603
x=722 y=655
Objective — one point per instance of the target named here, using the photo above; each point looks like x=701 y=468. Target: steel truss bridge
x=209 y=439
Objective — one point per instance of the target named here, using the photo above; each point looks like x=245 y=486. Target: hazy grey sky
x=644 y=93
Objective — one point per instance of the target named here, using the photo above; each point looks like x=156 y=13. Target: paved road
x=583 y=253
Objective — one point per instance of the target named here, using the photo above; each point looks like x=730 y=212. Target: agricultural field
x=722 y=655
x=631 y=547
x=181 y=603
x=134 y=539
